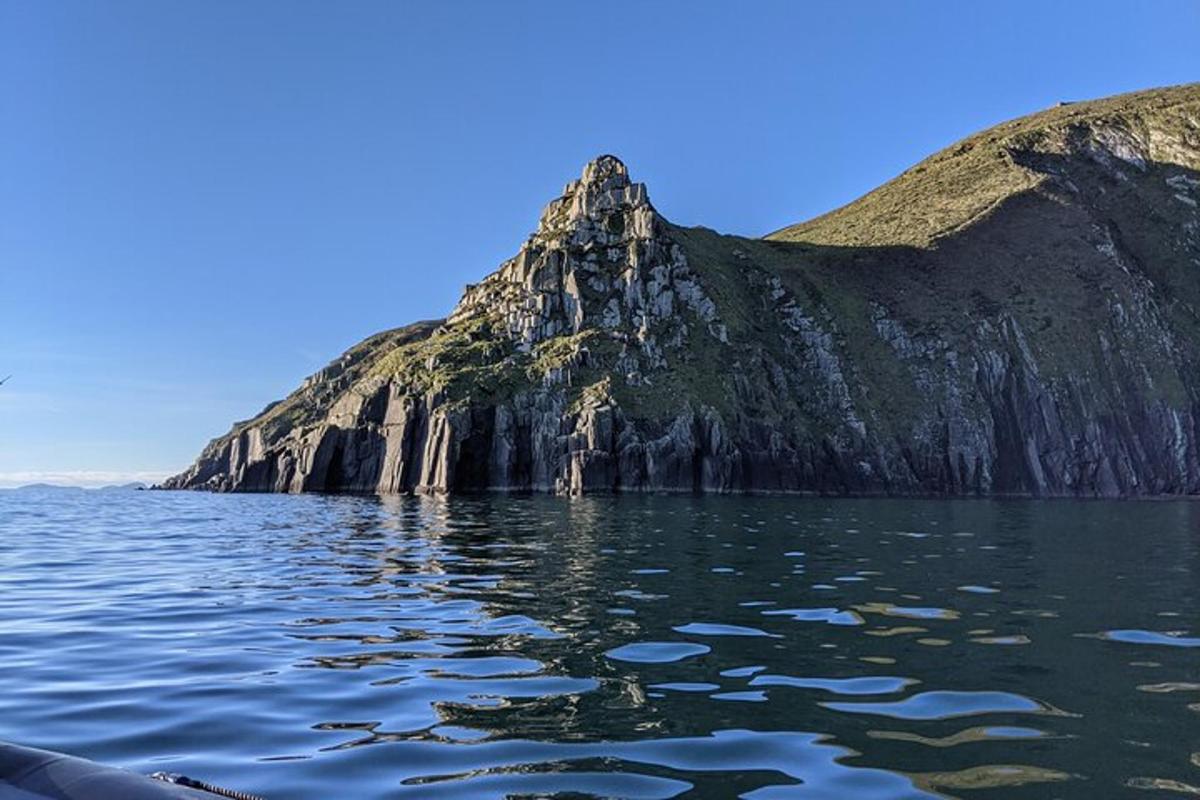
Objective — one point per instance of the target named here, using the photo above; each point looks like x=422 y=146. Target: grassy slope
x=971 y=236
x=312 y=400
x=952 y=188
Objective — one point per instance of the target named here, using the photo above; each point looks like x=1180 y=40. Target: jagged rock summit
x=1018 y=314
x=586 y=266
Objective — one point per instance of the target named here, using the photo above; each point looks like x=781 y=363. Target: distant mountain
x=42 y=487
x=124 y=487
x=1018 y=314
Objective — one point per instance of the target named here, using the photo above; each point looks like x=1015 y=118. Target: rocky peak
x=607 y=171
x=603 y=173
x=599 y=207
x=600 y=258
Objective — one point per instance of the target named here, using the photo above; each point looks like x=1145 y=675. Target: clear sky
x=203 y=202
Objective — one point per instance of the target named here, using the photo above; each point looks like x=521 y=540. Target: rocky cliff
x=1018 y=314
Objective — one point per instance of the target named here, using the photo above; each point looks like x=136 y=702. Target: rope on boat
x=192 y=783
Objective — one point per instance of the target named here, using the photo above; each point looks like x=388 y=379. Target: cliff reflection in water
x=638 y=647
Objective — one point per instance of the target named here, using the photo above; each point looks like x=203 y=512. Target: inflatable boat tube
x=27 y=773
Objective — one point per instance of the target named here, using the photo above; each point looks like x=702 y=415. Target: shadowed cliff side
x=1018 y=314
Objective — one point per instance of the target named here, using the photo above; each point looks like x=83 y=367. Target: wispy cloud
x=88 y=479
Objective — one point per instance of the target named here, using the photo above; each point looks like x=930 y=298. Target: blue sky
x=203 y=202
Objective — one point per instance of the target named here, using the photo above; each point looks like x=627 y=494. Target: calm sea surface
x=333 y=647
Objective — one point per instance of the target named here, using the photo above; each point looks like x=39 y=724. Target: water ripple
x=830 y=616
x=945 y=705
x=871 y=685
x=717 y=629
x=657 y=652
x=1151 y=638
x=641 y=647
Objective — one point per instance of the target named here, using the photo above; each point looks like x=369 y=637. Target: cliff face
x=1017 y=314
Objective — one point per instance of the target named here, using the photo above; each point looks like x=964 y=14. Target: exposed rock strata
x=1039 y=336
